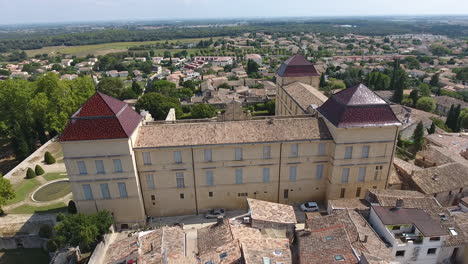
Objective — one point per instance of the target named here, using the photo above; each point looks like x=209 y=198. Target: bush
x=48 y=158
x=426 y=104
x=30 y=174
x=38 y=170
x=45 y=231
x=51 y=245
x=60 y=217
x=72 y=207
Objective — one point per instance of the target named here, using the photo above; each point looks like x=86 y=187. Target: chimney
x=219 y=220
x=399 y=203
x=365 y=239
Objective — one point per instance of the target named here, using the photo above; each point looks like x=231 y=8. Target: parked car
x=215 y=213
x=309 y=207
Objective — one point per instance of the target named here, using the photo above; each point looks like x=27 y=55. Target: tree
x=252 y=67
x=48 y=158
x=434 y=80
x=71 y=208
x=136 y=87
x=39 y=170
x=463 y=119
x=128 y=94
x=418 y=136
x=414 y=95
x=424 y=89
x=158 y=105
x=450 y=117
x=76 y=230
x=111 y=86
x=6 y=192
x=45 y=231
x=270 y=106
x=426 y=104
x=323 y=82
x=455 y=123
x=431 y=130
x=203 y=111
x=162 y=86
x=30 y=173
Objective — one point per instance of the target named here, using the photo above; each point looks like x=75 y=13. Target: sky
x=43 y=11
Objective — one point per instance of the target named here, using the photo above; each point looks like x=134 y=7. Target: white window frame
x=180 y=180
x=239 y=173
x=178 y=157
x=82 y=167
x=319 y=171
x=99 y=167
x=146 y=158
x=150 y=181
x=117 y=165
x=348 y=152
x=208 y=155
x=345 y=175
x=266 y=175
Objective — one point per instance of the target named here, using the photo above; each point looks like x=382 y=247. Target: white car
x=215 y=213
x=309 y=207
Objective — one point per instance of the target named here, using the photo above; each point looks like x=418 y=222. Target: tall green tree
x=203 y=111
x=323 y=82
x=432 y=129
x=434 y=80
x=111 y=86
x=414 y=95
x=158 y=105
x=418 y=136
x=450 y=117
x=252 y=67
x=426 y=104
x=6 y=192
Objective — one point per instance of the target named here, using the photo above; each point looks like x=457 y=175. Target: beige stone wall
x=285 y=105
x=225 y=192
x=128 y=210
x=381 y=143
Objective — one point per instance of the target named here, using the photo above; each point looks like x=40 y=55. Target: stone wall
x=99 y=252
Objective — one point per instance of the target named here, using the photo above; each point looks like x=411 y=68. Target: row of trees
x=32 y=112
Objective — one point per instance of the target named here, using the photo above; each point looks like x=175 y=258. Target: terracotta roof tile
x=271 y=212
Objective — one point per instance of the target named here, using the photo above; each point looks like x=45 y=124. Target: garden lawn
x=23 y=189
x=24 y=256
x=48 y=209
x=52 y=191
x=54 y=175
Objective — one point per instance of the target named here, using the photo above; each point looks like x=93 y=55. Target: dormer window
x=339 y=258
x=452 y=231
x=397 y=227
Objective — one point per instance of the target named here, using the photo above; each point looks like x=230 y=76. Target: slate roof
x=297 y=66
x=418 y=217
x=231 y=132
x=101 y=117
x=358 y=106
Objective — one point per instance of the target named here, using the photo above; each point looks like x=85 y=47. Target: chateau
x=315 y=149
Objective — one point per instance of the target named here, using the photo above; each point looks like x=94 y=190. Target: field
x=102 y=49
x=24 y=256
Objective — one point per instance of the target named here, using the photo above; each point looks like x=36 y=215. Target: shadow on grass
x=49 y=209
x=24 y=256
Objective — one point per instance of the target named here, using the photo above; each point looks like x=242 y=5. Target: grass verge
x=23 y=189
x=48 y=209
x=55 y=175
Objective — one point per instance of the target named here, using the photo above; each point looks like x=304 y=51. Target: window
x=153 y=197
x=396 y=227
x=99 y=166
x=292 y=173
x=177 y=157
x=374 y=187
x=365 y=151
x=210 y=194
x=146 y=158
x=286 y=194
x=339 y=258
x=180 y=180
x=82 y=167
x=431 y=251
x=348 y=153
x=117 y=165
x=88 y=193
x=181 y=196
x=122 y=189
x=321 y=149
x=208 y=155
x=238 y=154
x=105 y=191
x=345 y=175
x=362 y=174
x=452 y=231
x=342 y=193
x=266 y=174
x=267 y=152
x=242 y=194
x=319 y=171
x=378 y=172
x=294 y=150
x=150 y=181
x=434 y=239
x=358 y=192
x=239 y=176
x=400 y=253
x=209 y=178
x=461 y=190
x=223 y=255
